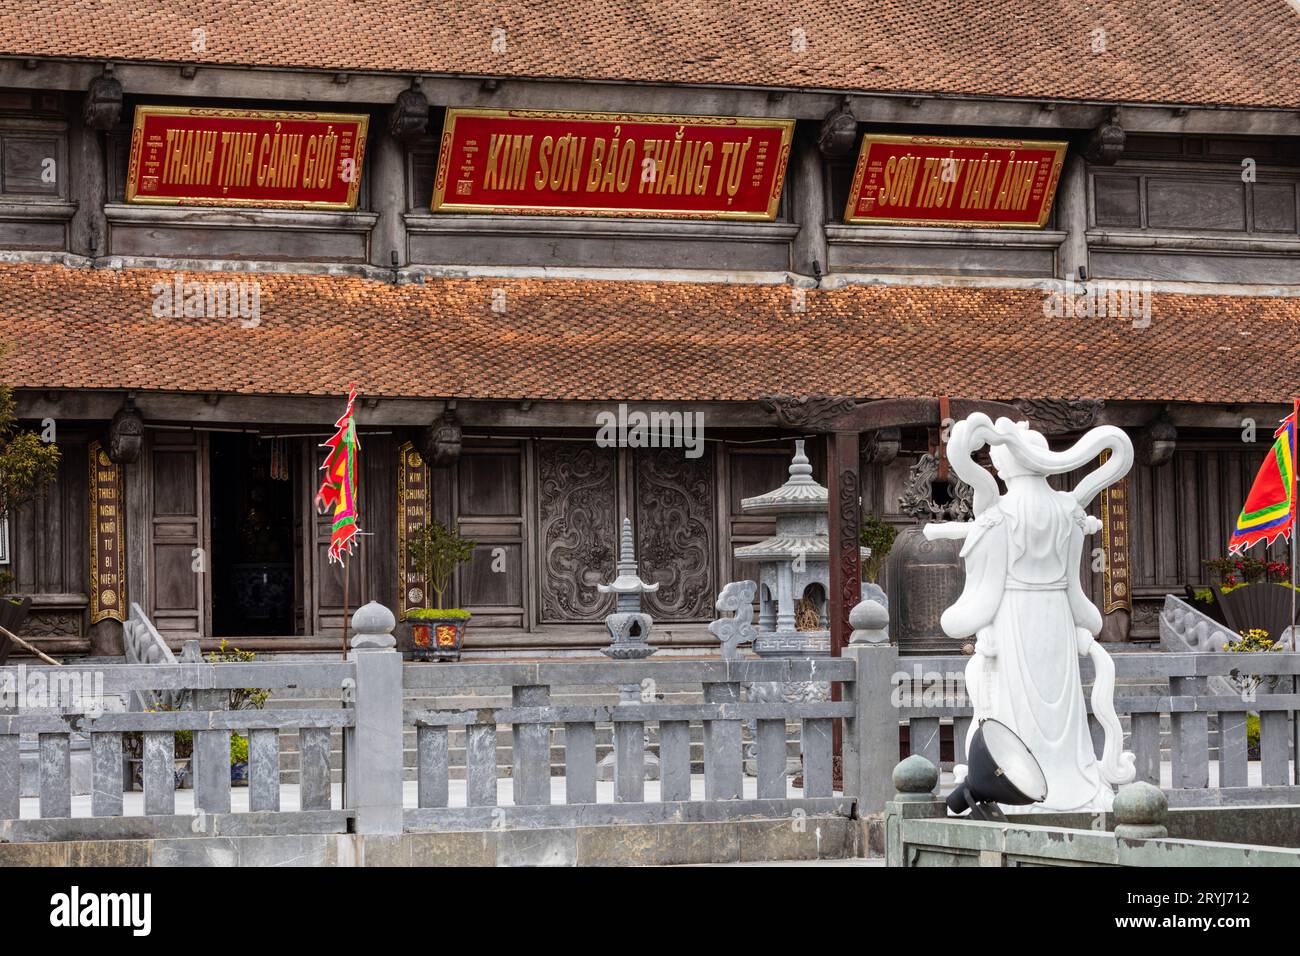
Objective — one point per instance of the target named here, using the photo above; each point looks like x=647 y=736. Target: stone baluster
x=373 y=745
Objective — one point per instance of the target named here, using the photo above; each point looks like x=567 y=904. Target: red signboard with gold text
x=946 y=181
x=611 y=164
x=198 y=156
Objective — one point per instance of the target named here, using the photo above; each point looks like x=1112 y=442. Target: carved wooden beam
x=814 y=412
x=1059 y=416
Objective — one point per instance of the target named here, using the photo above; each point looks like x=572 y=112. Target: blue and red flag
x=1269 y=511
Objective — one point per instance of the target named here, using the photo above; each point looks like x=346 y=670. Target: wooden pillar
x=88 y=189
x=808 y=199
x=845 y=488
x=1072 y=217
x=845 y=491
x=388 y=199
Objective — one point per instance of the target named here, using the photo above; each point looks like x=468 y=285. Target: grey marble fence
x=744 y=772
x=537 y=718
x=211 y=723
x=1181 y=726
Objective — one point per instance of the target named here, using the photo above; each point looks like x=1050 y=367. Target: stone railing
x=539 y=717
x=706 y=753
x=746 y=770
x=56 y=704
x=1206 y=765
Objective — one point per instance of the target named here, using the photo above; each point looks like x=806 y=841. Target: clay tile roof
x=1238 y=52
x=612 y=340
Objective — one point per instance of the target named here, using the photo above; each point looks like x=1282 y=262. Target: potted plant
x=1253 y=594
x=238 y=760
x=27 y=466
x=437 y=633
x=879 y=537
x=241 y=698
x=182 y=752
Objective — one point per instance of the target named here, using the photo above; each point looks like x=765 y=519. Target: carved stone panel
x=675 y=533
x=577 y=528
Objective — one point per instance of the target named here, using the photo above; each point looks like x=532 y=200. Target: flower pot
x=239 y=774
x=437 y=638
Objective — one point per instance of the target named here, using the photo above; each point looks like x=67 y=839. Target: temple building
x=577 y=277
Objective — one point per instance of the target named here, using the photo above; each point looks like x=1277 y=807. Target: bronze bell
x=927 y=577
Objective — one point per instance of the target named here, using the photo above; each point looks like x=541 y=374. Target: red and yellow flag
x=338 y=489
x=1269 y=511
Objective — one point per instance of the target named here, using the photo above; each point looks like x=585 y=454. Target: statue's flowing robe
x=1030 y=632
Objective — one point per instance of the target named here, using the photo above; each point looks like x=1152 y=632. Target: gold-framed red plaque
x=1117 y=593
x=412 y=513
x=954 y=181
x=204 y=156
x=611 y=164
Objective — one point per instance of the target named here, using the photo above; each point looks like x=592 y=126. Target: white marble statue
x=1025 y=607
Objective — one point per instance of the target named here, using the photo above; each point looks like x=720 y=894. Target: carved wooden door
x=179 y=563
x=675 y=531
x=577 y=530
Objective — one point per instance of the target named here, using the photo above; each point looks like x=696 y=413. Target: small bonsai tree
x=27 y=466
x=436 y=552
x=241 y=698
x=879 y=537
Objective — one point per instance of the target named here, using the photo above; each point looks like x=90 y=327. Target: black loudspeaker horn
x=999 y=769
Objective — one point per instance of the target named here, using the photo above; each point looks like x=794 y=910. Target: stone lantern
x=794 y=563
x=629 y=627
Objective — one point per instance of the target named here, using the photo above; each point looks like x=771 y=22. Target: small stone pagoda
x=793 y=564
x=629 y=626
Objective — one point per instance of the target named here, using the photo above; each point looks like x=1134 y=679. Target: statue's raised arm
x=1023 y=602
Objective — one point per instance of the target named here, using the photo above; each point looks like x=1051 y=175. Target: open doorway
x=253 y=546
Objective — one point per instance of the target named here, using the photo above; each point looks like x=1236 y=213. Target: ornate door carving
x=577 y=527
x=675 y=532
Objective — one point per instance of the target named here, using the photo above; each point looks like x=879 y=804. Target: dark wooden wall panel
x=48 y=550
x=489 y=495
x=178 y=524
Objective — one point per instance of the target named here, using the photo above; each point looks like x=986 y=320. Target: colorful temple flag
x=1269 y=511
x=338 y=489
